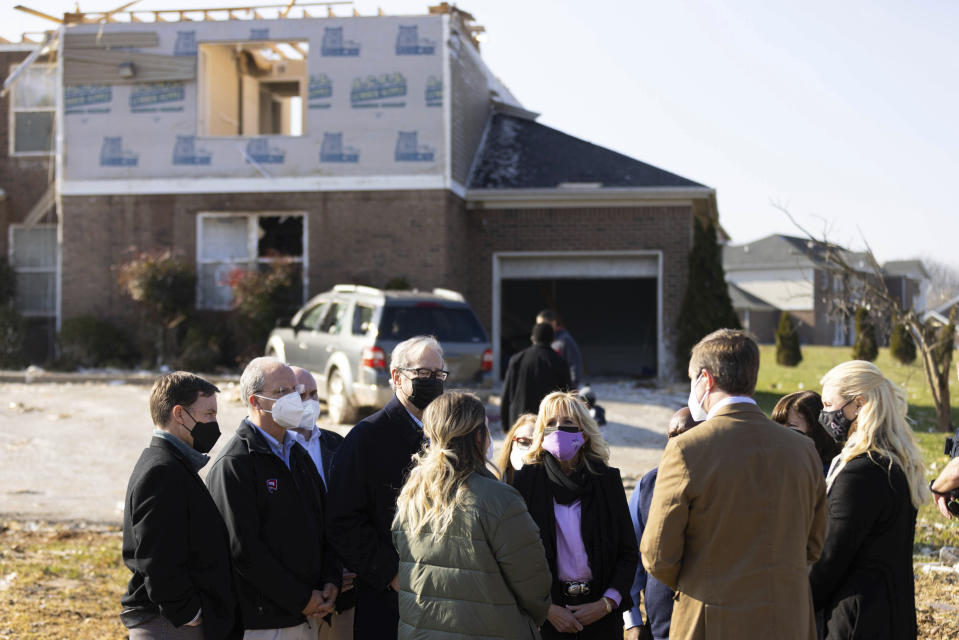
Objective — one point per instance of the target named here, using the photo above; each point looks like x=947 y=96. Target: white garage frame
x=578 y=264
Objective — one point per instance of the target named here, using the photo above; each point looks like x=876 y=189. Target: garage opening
x=608 y=302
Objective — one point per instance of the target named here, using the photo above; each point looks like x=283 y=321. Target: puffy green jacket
x=485 y=577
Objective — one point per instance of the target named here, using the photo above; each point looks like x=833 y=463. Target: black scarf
x=567 y=489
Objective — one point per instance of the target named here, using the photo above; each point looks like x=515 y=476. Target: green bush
x=706 y=305
x=901 y=344
x=164 y=288
x=259 y=299
x=866 y=347
x=8 y=283
x=85 y=341
x=11 y=337
x=788 y=353
x=207 y=344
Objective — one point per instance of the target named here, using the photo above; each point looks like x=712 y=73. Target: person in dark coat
x=369 y=470
x=174 y=540
x=564 y=345
x=322 y=444
x=658 y=598
x=531 y=374
x=862 y=584
x=271 y=497
x=579 y=505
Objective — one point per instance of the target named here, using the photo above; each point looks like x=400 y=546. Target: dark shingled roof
x=784 y=251
x=522 y=154
x=742 y=299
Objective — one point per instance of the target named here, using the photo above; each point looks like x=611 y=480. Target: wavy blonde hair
x=436 y=485
x=881 y=426
x=562 y=403
x=502 y=461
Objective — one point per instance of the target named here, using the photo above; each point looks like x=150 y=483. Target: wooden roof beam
x=39 y=14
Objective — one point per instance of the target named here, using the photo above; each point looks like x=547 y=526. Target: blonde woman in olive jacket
x=471 y=560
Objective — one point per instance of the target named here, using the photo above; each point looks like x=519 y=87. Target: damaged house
x=363 y=148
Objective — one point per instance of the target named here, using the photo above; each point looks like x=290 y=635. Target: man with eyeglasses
x=272 y=500
x=369 y=470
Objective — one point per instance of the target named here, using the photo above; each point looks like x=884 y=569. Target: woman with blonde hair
x=863 y=582
x=579 y=504
x=471 y=562
x=519 y=440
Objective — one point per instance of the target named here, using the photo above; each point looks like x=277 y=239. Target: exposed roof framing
x=124 y=13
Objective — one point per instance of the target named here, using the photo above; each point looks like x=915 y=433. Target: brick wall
x=354 y=237
x=23 y=178
x=668 y=229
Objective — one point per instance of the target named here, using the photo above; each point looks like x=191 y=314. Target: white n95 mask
x=287 y=411
x=311 y=411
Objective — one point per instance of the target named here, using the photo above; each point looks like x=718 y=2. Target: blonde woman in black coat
x=863 y=584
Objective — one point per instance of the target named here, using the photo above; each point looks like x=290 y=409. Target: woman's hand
x=590 y=612
x=563 y=620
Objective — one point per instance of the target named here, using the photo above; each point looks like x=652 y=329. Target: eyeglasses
x=439 y=374
x=523 y=442
x=566 y=428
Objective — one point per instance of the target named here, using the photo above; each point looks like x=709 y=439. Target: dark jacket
x=531 y=375
x=176 y=545
x=369 y=470
x=607 y=501
x=564 y=345
x=274 y=516
x=863 y=582
x=329 y=443
x=657 y=596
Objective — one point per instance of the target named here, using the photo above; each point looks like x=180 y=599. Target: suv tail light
x=373 y=357
x=487 y=364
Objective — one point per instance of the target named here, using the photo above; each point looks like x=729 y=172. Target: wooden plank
x=113 y=39
x=101 y=67
x=39 y=14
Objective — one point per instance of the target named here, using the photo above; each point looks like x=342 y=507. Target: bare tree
x=944 y=282
x=858 y=282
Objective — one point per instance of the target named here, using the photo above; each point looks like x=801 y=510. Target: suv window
x=311 y=318
x=333 y=322
x=448 y=324
x=361 y=320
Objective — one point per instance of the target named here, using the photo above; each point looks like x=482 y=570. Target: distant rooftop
x=784 y=251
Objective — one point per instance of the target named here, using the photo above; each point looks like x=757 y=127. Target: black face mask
x=205 y=434
x=836 y=423
x=425 y=391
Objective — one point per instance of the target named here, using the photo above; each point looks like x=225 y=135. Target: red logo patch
x=272 y=485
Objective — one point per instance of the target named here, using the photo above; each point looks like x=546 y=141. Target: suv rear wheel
x=338 y=401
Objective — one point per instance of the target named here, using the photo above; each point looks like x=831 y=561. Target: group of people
x=406 y=529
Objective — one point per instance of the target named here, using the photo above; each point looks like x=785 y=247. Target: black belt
x=576 y=589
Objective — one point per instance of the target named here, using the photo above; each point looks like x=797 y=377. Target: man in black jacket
x=174 y=540
x=531 y=375
x=271 y=498
x=368 y=472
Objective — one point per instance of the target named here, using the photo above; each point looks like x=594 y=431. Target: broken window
x=33 y=255
x=252 y=89
x=247 y=241
x=32 y=110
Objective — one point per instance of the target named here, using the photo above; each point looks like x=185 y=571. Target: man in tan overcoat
x=739 y=511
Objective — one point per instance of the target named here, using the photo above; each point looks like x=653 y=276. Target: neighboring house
x=787 y=273
x=908 y=282
x=362 y=148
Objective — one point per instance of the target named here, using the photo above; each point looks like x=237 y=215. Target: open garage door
x=610 y=302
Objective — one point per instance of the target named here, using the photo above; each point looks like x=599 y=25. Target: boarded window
x=32 y=110
x=252 y=89
x=33 y=255
x=246 y=241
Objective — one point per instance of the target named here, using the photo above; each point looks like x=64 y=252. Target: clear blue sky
x=845 y=112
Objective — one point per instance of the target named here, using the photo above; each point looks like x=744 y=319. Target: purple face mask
x=563 y=444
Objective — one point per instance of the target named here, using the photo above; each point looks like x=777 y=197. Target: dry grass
x=65 y=581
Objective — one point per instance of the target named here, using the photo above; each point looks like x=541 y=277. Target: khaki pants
x=305 y=631
x=159 y=628
x=342 y=628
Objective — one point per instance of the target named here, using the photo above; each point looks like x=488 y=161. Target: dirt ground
x=67 y=449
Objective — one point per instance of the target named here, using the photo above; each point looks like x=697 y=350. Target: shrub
x=206 y=346
x=11 y=337
x=86 y=341
x=8 y=283
x=866 y=346
x=259 y=298
x=164 y=288
x=706 y=305
x=788 y=353
x=901 y=344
